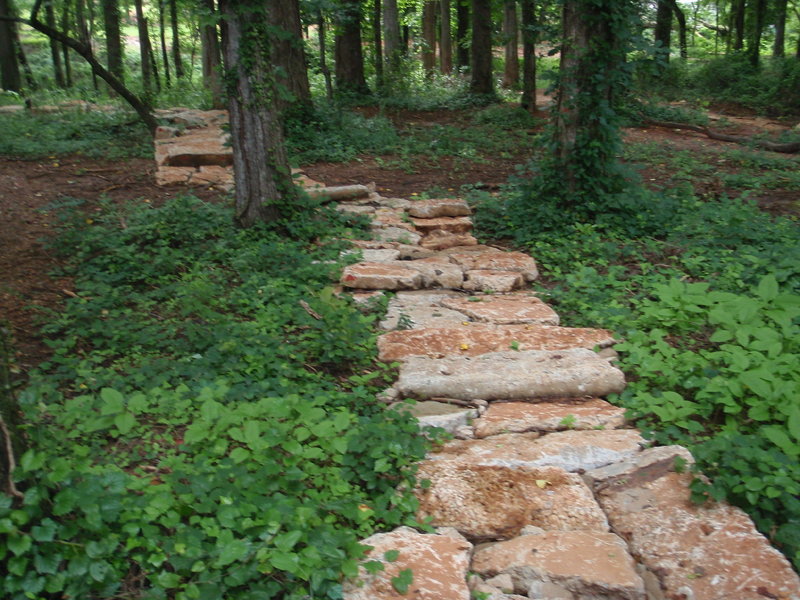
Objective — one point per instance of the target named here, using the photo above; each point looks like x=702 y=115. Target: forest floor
x=30 y=189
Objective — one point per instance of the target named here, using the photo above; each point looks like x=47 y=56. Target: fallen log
x=784 y=147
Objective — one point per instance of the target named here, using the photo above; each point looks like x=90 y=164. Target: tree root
x=786 y=147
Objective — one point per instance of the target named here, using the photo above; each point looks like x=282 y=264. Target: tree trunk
x=176 y=44
x=528 y=101
x=391 y=36
x=288 y=53
x=737 y=24
x=429 y=37
x=323 y=63
x=261 y=170
x=663 y=30
x=680 y=16
x=511 y=69
x=209 y=42
x=55 y=51
x=162 y=36
x=445 y=39
x=348 y=54
x=65 y=27
x=462 y=31
x=754 y=46
x=481 y=82
x=10 y=77
x=114 y=48
x=144 y=45
x=377 y=42
x=778 y=47
x=84 y=35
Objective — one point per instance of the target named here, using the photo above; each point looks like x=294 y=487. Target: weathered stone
x=476 y=339
x=204 y=147
x=380 y=276
x=356 y=209
x=410 y=252
x=448 y=224
x=492 y=281
x=590 y=565
x=367 y=298
x=391 y=202
x=495 y=502
x=163 y=132
x=553 y=415
x=439 y=565
x=420 y=309
x=442 y=240
x=392 y=217
x=438 y=414
x=439 y=207
x=508 y=309
x=646 y=465
x=502 y=582
x=705 y=552
x=437 y=272
x=568 y=450
x=511 y=375
x=495 y=260
x=174 y=175
x=380 y=255
x=395 y=234
x=307 y=183
x=212 y=175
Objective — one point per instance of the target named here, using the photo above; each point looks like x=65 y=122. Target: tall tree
x=83 y=31
x=529 y=36
x=288 y=53
x=429 y=36
x=66 y=19
x=176 y=44
x=348 y=53
x=323 y=62
x=756 y=31
x=55 y=51
x=663 y=30
x=462 y=34
x=391 y=35
x=162 y=36
x=778 y=46
x=481 y=81
x=264 y=187
x=146 y=63
x=377 y=42
x=114 y=48
x=445 y=38
x=10 y=78
x=210 y=49
x=511 y=43
x=737 y=24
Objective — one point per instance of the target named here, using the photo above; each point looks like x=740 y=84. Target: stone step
x=443 y=240
x=497 y=260
x=475 y=339
x=447 y=224
x=490 y=502
x=439 y=207
x=553 y=415
x=510 y=376
x=413 y=309
x=506 y=309
x=381 y=276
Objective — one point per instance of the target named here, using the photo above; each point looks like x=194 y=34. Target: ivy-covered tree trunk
x=528 y=101
x=481 y=82
x=757 y=31
x=429 y=36
x=289 y=53
x=377 y=43
x=114 y=48
x=176 y=43
x=391 y=37
x=10 y=78
x=680 y=16
x=511 y=39
x=737 y=24
x=262 y=175
x=66 y=19
x=146 y=64
x=349 y=56
x=445 y=39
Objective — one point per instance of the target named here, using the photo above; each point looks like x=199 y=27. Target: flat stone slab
x=420 y=309
x=439 y=414
x=507 y=310
x=496 y=502
x=381 y=255
x=439 y=565
x=585 y=565
x=199 y=148
x=496 y=260
x=647 y=465
x=553 y=415
x=568 y=450
x=395 y=234
x=475 y=339
x=492 y=281
x=439 y=207
x=380 y=276
x=437 y=272
x=442 y=240
x=705 y=552
x=511 y=376
x=449 y=224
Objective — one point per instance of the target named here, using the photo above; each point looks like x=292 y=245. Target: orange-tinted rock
x=306 y=182
x=442 y=240
x=492 y=281
x=588 y=564
x=553 y=415
x=439 y=207
x=420 y=309
x=496 y=502
x=495 y=260
x=213 y=175
x=437 y=272
x=508 y=309
x=206 y=147
x=448 y=224
x=472 y=340
x=438 y=563
x=380 y=276
x=703 y=552
x=568 y=450
x=174 y=175
x=391 y=233
x=511 y=376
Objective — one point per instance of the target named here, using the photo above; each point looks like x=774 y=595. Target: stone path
x=544 y=491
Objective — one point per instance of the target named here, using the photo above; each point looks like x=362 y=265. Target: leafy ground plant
x=206 y=427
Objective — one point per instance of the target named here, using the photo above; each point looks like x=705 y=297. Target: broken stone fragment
x=442 y=240
x=496 y=502
x=492 y=281
x=584 y=564
x=511 y=375
x=448 y=224
x=437 y=272
x=395 y=234
x=380 y=276
x=437 y=414
x=420 y=309
x=438 y=563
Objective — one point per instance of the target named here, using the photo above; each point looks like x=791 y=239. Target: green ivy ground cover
x=198 y=432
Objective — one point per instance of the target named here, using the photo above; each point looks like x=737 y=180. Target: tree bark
x=262 y=175
x=462 y=31
x=289 y=54
x=144 y=47
x=481 y=82
x=55 y=51
x=114 y=48
x=176 y=44
x=391 y=36
x=65 y=27
x=209 y=42
x=323 y=63
x=429 y=37
x=511 y=67
x=737 y=24
x=528 y=101
x=754 y=46
x=162 y=35
x=10 y=77
x=779 y=45
x=663 y=30
x=348 y=53
x=445 y=38
x=680 y=16
x=377 y=42
x=84 y=35
x=11 y=438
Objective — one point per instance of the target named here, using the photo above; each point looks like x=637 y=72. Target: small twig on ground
x=309 y=310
